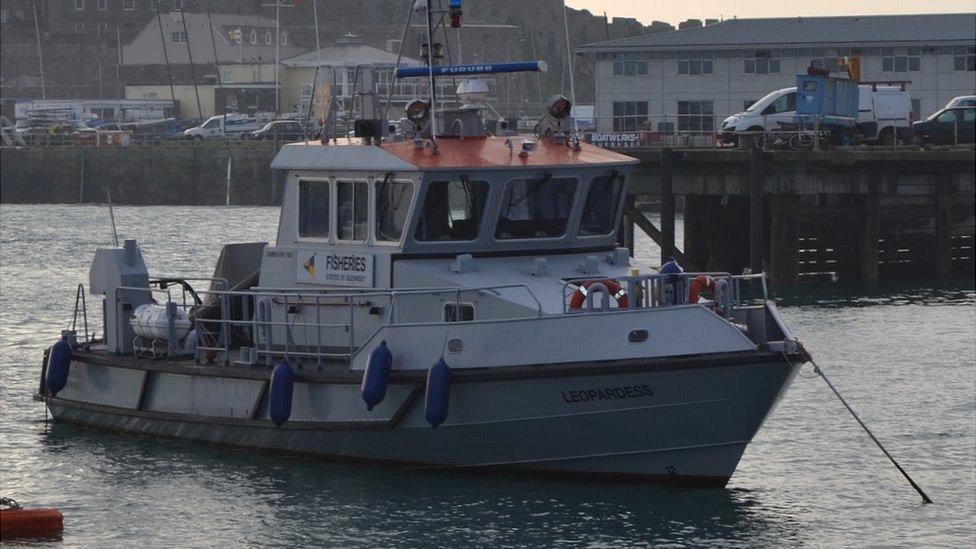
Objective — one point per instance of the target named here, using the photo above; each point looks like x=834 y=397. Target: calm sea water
x=904 y=356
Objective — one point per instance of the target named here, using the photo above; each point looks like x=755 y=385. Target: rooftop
x=453 y=154
x=348 y=51
x=855 y=30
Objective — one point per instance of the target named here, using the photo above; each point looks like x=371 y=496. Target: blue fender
x=377 y=375
x=58 y=363
x=280 y=393
x=438 y=393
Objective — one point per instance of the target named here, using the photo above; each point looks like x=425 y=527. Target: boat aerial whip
x=111 y=212
x=819 y=371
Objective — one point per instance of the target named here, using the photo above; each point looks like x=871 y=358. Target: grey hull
x=687 y=425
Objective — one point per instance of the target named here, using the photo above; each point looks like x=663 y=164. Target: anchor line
x=819 y=371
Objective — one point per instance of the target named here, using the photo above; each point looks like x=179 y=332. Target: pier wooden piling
x=856 y=215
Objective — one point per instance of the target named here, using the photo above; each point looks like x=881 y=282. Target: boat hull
x=687 y=423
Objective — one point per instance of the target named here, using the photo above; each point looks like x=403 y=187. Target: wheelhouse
x=491 y=196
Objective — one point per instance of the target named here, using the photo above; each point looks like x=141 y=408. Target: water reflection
x=268 y=499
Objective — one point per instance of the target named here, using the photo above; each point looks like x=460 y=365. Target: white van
x=213 y=127
x=766 y=114
x=883 y=113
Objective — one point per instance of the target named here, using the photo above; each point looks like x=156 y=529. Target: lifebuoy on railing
x=613 y=289
x=701 y=282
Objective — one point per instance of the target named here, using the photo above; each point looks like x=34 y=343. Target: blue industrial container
x=834 y=100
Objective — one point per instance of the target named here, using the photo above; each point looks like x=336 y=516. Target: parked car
x=948 y=126
x=214 y=127
x=962 y=101
x=283 y=130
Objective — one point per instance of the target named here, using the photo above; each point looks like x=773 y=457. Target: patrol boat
x=437 y=298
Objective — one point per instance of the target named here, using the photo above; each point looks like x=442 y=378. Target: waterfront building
x=690 y=80
x=245 y=53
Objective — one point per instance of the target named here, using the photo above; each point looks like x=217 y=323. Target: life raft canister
x=618 y=293
x=700 y=283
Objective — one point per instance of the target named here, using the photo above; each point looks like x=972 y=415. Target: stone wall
x=144 y=175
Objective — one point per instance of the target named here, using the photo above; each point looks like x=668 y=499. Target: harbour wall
x=191 y=174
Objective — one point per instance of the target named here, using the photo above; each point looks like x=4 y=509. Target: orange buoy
x=17 y=522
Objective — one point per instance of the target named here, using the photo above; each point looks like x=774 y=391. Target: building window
x=964 y=58
x=102 y=27
x=890 y=62
x=695 y=62
x=829 y=63
x=129 y=25
x=284 y=38
x=629 y=64
x=79 y=26
x=253 y=37
x=696 y=116
x=629 y=116
x=102 y=5
x=916 y=109
x=761 y=63
x=177 y=4
x=79 y=6
x=128 y=5
x=178 y=37
x=267 y=38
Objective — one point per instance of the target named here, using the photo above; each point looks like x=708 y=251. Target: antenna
x=569 y=60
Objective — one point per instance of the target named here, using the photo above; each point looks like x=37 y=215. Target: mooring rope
x=819 y=371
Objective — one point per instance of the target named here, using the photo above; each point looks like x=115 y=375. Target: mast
x=433 y=88
x=40 y=57
x=162 y=40
x=193 y=75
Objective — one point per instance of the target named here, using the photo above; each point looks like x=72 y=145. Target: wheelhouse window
x=352 y=210
x=600 y=209
x=313 y=207
x=392 y=207
x=536 y=208
x=453 y=210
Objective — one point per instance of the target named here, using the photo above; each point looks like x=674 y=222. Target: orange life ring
x=618 y=293
x=697 y=285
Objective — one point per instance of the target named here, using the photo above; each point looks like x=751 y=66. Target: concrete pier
x=857 y=214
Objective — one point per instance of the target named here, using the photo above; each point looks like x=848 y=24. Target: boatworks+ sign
x=339 y=269
x=617 y=140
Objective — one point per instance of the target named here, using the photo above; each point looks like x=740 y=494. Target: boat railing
x=219 y=312
x=658 y=290
x=272 y=322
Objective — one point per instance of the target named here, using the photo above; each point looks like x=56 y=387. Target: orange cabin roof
x=492 y=152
